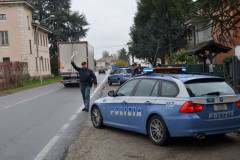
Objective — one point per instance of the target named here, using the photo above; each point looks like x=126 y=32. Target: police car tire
x=100 y=125
x=165 y=134
x=109 y=82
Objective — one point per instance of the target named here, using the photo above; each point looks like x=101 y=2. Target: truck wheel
x=66 y=85
x=109 y=82
x=96 y=117
x=157 y=130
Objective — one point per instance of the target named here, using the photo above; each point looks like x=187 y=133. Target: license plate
x=220 y=107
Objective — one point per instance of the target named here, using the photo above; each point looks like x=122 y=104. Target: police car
x=170 y=105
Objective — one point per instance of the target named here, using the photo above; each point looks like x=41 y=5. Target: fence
x=234 y=71
x=199 y=69
x=12 y=74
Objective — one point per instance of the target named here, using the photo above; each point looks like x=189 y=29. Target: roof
x=107 y=59
x=209 y=46
x=17 y=2
x=181 y=77
x=40 y=27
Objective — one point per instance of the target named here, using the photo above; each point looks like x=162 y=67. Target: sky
x=109 y=23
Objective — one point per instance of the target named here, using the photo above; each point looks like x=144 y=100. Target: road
x=112 y=143
x=41 y=123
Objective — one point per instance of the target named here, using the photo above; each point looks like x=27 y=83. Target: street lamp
x=36 y=40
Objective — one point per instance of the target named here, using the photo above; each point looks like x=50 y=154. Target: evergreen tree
x=159 y=28
x=66 y=26
x=122 y=55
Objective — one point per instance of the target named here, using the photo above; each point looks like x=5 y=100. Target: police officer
x=136 y=71
x=87 y=77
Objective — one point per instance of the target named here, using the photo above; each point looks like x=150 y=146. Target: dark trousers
x=85 y=90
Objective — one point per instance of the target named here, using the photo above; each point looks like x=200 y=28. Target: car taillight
x=238 y=104
x=190 y=107
x=123 y=75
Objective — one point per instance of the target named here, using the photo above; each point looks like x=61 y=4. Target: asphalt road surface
x=42 y=122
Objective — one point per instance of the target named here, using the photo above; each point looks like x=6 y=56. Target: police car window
x=114 y=72
x=145 y=87
x=207 y=87
x=169 y=89
x=127 y=88
x=128 y=71
x=119 y=71
x=155 y=90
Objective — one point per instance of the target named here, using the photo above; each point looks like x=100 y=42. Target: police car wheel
x=157 y=130
x=97 y=119
x=109 y=82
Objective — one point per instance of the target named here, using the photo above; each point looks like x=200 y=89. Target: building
x=203 y=42
x=105 y=62
x=17 y=37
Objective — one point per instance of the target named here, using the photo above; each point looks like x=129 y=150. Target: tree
x=105 y=54
x=115 y=55
x=163 y=11
x=223 y=16
x=66 y=26
x=150 y=35
x=122 y=55
x=121 y=63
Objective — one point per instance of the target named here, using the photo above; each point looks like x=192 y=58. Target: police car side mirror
x=111 y=93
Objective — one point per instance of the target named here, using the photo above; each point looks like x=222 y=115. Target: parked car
x=174 y=105
x=120 y=76
x=101 y=70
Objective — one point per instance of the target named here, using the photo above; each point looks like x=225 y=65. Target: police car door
x=116 y=75
x=116 y=108
x=140 y=102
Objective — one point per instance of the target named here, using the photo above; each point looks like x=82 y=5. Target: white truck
x=83 y=51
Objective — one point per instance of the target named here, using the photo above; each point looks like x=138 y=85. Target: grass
x=32 y=84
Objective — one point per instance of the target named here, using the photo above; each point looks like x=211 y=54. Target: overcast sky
x=110 y=22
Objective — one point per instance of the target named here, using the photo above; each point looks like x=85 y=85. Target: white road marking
x=54 y=140
x=64 y=127
x=28 y=90
x=7 y=107
x=46 y=149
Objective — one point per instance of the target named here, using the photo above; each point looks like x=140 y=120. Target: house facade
x=105 y=62
x=17 y=37
x=197 y=39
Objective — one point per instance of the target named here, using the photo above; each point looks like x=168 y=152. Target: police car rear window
x=208 y=87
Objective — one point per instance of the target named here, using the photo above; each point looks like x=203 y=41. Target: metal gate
x=234 y=70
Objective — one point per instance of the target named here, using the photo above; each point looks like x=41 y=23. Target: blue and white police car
x=173 y=105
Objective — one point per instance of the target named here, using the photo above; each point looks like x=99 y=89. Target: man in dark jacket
x=87 y=77
x=136 y=71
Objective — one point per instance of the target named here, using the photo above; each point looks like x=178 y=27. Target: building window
x=42 y=64
x=4 y=38
x=47 y=41
x=37 y=64
x=38 y=40
x=41 y=39
x=6 y=59
x=3 y=17
x=28 y=22
x=46 y=64
x=30 y=46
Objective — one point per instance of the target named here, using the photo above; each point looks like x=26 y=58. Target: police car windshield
x=208 y=87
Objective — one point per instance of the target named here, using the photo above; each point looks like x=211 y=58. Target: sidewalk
x=115 y=144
